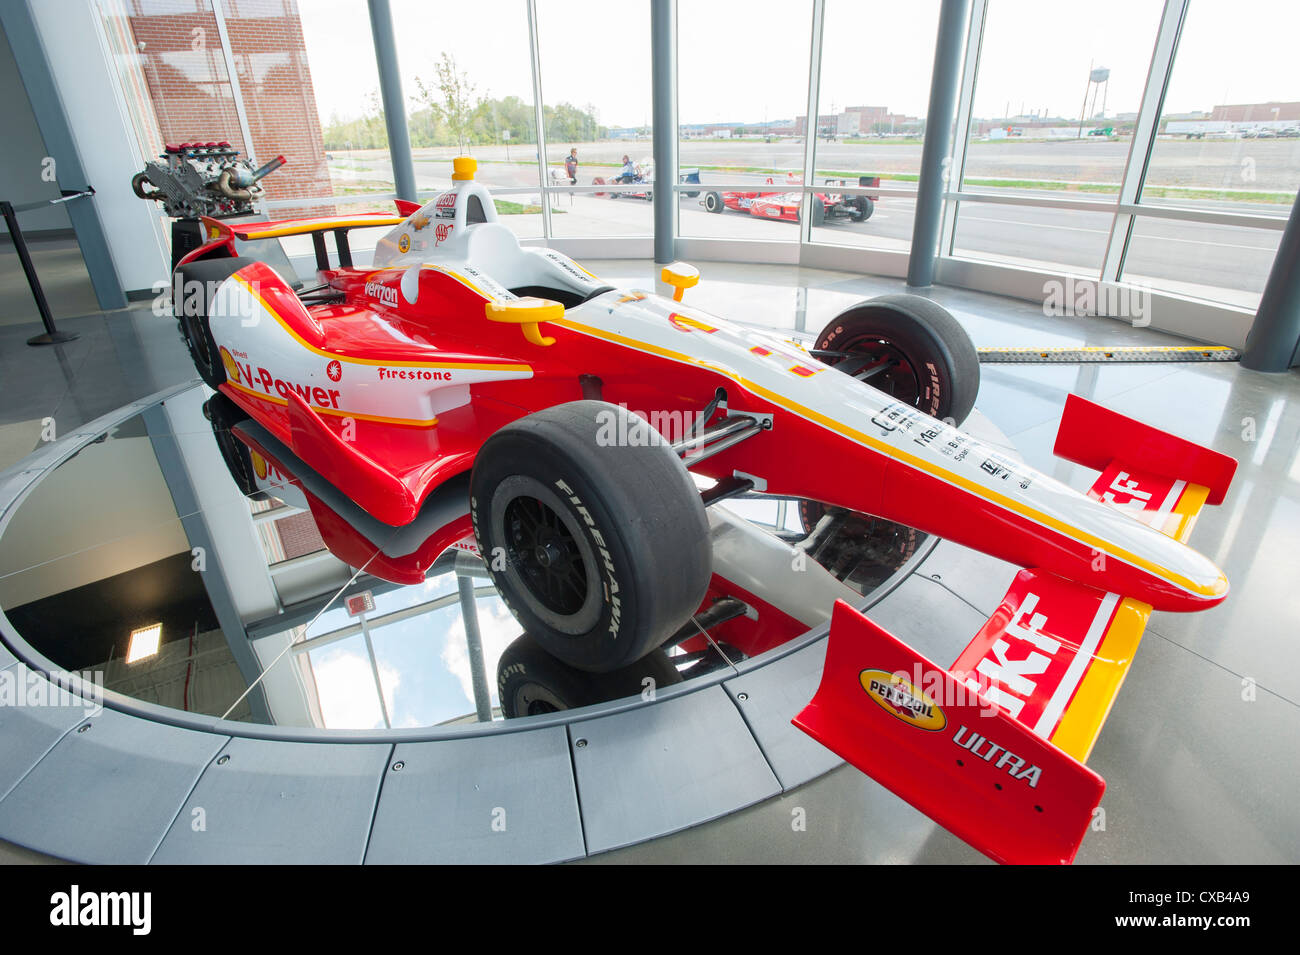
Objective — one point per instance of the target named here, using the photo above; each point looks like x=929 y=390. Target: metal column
x=390 y=86
x=945 y=84
x=663 y=89
x=1274 y=340
x=474 y=643
x=52 y=120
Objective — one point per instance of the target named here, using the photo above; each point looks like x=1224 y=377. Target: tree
x=451 y=100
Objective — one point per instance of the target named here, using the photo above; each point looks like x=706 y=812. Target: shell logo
x=334 y=370
x=902 y=700
x=231 y=366
x=404 y=243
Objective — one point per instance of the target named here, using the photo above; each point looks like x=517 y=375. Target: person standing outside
x=571 y=166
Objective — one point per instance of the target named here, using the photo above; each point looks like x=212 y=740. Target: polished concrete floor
x=1202 y=750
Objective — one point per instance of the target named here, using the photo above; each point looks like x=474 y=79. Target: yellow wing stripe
x=304 y=226
x=1218 y=587
x=1084 y=715
x=395 y=362
x=1179 y=524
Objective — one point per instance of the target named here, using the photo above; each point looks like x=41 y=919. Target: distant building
x=1287 y=113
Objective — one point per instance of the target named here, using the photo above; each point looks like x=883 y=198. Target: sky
x=748 y=61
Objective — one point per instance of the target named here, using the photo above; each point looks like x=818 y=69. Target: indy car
x=645 y=176
x=785 y=206
x=582 y=420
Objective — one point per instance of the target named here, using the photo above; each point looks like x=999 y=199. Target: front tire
x=593 y=532
x=921 y=356
x=713 y=202
x=865 y=208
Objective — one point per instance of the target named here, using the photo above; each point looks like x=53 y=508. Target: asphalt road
x=1218 y=262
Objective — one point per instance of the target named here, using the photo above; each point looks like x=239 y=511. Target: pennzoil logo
x=902 y=700
x=231 y=366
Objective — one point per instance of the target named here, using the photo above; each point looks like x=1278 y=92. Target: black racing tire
x=593 y=532
x=192 y=288
x=865 y=207
x=818 y=210
x=224 y=414
x=531 y=682
x=933 y=364
x=713 y=202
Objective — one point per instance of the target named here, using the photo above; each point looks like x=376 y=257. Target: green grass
x=507 y=208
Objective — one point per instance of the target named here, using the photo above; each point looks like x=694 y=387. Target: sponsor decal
x=902 y=700
x=383 y=294
x=442 y=231
x=685 y=324
x=418 y=221
x=334 y=369
x=445 y=207
x=404 y=243
x=255 y=379
x=231 y=366
x=413 y=374
x=259 y=465
x=568 y=266
x=1017 y=767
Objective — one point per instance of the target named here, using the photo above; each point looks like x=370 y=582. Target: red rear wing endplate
x=966 y=764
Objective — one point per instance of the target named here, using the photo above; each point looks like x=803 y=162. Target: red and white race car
x=785 y=206
x=567 y=421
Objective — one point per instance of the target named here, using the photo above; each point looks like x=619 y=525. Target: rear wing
x=224 y=232
x=993 y=747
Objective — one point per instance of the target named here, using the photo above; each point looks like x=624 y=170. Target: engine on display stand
x=201 y=179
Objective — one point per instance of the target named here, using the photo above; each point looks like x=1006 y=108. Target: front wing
x=993 y=747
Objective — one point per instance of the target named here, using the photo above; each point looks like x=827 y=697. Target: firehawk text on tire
x=592 y=530
x=193 y=288
x=920 y=354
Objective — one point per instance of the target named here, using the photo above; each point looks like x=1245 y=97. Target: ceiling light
x=144 y=642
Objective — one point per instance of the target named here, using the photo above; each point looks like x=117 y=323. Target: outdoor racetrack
x=1198 y=259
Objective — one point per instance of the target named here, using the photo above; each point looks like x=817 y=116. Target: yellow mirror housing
x=463 y=168
x=526 y=313
x=681 y=277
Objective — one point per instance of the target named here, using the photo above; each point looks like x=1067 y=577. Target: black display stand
x=51 y=336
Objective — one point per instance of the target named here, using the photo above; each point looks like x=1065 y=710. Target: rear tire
x=933 y=364
x=713 y=202
x=865 y=208
x=193 y=286
x=593 y=532
x=224 y=415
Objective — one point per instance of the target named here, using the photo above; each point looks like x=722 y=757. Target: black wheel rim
x=548 y=559
x=882 y=365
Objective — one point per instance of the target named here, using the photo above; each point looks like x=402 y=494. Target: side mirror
x=681 y=277
x=526 y=313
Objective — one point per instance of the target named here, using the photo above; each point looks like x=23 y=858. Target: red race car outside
x=785 y=206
